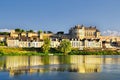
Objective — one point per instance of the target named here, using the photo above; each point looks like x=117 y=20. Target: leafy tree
x=22 y=30
x=19 y=30
x=49 y=32
x=4 y=33
x=30 y=31
x=46 y=45
x=44 y=32
x=2 y=43
x=40 y=31
x=65 y=47
x=60 y=33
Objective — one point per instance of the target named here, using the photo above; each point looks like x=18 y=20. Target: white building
x=54 y=43
x=77 y=43
x=93 y=44
x=13 y=43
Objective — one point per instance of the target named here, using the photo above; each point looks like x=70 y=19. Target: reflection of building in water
x=36 y=60
x=85 y=68
x=111 y=59
x=86 y=64
x=22 y=64
x=54 y=60
x=13 y=72
x=16 y=61
x=1 y=65
x=23 y=61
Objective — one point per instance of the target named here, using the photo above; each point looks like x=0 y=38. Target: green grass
x=5 y=51
x=106 y=52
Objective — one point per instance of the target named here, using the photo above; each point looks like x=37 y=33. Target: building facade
x=82 y=32
x=79 y=36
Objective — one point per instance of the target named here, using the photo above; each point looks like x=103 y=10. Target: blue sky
x=59 y=15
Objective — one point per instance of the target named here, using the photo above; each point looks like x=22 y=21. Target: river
x=72 y=67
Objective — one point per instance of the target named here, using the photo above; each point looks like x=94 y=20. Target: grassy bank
x=16 y=51
x=4 y=51
x=106 y=52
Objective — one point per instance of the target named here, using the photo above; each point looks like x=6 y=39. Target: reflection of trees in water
x=2 y=63
x=45 y=59
x=65 y=59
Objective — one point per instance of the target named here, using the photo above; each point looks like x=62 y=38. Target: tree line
x=39 y=31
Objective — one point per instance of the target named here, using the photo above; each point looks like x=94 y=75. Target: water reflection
x=39 y=64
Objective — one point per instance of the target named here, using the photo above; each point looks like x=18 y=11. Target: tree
x=44 y=32
x=4 y=33
x=60 y=32
x=30 y=31
x=40 y=31
x=46 y=45
x=49 y=32
x=65 y=47
x=22 y=30
x=19 y=30
x=2 y=43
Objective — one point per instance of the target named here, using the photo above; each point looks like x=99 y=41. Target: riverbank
x=5 y=51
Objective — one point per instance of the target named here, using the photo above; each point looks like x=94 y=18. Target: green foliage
x=60 y=33
x=30 y=31
x=49 y=32
x=2 y=43
x=106 y=52
x=5 y=51
x=22 y=30
x=65 y=47
x=46 y=45
x=54 y=50
x=4 y=33
x=19 y=30
x=40 y=31
x=1 y=52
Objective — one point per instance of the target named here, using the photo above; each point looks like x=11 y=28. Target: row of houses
x=79 y=36
x=55 y=43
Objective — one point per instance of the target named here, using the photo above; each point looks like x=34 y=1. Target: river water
x=73 y=67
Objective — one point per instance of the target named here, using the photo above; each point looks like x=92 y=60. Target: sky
x=59 y=15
